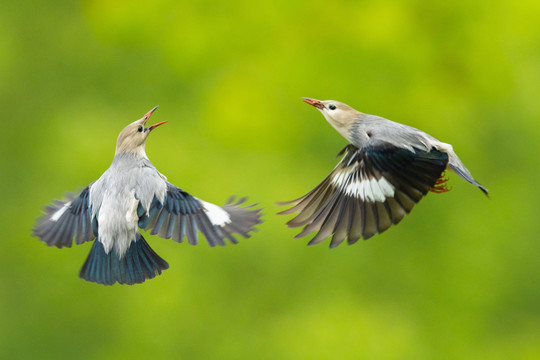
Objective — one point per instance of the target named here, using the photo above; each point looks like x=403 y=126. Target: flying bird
x=386 y=169
x=131 y=195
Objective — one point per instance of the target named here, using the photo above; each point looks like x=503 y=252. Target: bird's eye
x=140 y=128
x=332 y=107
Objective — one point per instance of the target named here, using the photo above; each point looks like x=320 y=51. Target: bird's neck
x=138 y=151
x=343 y=125
x=342 y=129
x=131 y=158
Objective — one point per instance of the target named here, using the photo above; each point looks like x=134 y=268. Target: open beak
x=314 y=102
x=152 y=127
x=147 y=116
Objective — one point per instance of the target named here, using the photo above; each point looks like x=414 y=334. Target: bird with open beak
x=386 y=169
x=131 y=195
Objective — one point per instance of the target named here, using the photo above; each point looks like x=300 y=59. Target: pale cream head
x=341 y=116
x=133 y=137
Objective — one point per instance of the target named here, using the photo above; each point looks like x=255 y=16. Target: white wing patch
x=217 y=215
x=352 y=184
x=60 y=212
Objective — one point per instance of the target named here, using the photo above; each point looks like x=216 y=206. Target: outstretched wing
x=65 y=221
x=182 y=215
x=368 y=191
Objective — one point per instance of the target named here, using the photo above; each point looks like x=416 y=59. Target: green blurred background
x=457 y=279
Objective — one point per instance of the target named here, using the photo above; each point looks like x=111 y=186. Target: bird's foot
x=440 y=185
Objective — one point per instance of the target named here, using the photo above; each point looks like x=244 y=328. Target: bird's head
x=133 y=137
x=341 y=116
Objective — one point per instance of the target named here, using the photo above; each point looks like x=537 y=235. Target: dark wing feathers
x=65 y=221
x=182 y=215
x=371 y=189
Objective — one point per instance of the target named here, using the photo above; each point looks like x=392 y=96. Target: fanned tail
x=139 y=263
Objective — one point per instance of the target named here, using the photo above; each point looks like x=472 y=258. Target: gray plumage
x=130 y=195
x=386 y=169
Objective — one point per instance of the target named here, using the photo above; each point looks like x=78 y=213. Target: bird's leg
x=440 y=185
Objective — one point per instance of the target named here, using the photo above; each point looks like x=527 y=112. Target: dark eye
x=332 y=107
x=140 y=128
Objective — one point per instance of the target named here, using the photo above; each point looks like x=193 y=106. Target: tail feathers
x=467 y=176
x=138 y=264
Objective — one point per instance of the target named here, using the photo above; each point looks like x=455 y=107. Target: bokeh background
x=459 y=278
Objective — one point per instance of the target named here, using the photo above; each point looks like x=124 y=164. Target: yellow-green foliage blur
x=458 y=278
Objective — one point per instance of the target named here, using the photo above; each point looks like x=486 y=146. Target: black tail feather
x=138 y=264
